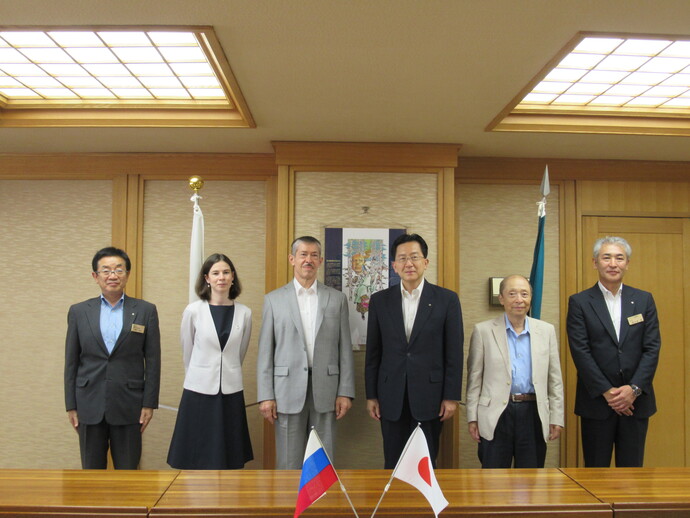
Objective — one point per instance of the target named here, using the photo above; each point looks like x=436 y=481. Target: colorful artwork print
x=358 y=264
x=366 y=272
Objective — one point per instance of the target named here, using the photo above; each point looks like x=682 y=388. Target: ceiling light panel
x=108 y=64
x=605 y=71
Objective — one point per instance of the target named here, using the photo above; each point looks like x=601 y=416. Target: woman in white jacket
x=211 y=431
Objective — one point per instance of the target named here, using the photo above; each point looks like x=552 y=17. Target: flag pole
x=390 y=480
x=196 y=247
x=342 y=487
x=536 y=277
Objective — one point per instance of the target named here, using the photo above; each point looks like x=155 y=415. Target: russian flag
x=317 y=474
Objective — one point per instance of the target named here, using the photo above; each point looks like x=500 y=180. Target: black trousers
x=518 y=437
x=124 y=443
x=626 y=433
x=396 y=433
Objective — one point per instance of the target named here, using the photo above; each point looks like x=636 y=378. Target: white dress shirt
x=307 y=299
x=614 y=303
x=410 y=303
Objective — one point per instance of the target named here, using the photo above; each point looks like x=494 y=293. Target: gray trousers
x=292 y=432
x=124 y=443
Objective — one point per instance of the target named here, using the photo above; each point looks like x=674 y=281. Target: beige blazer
x=489 y=375
x=209 y=370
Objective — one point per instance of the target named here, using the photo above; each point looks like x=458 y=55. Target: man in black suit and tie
x=413 y=367
x=613 y=331
x=112 y=367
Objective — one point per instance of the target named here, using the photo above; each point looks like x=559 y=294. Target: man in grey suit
x=112 y=367
x=305 y=373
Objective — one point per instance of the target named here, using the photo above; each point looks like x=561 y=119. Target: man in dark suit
x=112 y=367
x=614 y=339
x=413 y=367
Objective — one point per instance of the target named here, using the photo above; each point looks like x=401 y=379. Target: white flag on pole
x=196 y=248
x=414 y=467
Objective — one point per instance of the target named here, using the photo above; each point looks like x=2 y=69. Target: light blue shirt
x=520 y=349
x=111 y=321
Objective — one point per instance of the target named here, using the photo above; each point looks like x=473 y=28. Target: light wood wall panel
x=634 y=198
x=394 y=200
x=497 y=228
x=49 y=233
x=235 y=222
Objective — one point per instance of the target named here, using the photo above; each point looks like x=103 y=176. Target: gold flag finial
x=196 y=183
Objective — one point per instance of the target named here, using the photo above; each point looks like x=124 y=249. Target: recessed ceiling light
x=165 y=68
x=598 y=77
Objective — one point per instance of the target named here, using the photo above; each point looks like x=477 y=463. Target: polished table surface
x=574 y=492
x=638 y=492
x=545 y=492
x=67 y=493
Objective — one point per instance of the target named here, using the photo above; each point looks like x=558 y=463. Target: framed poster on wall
x=358 y=263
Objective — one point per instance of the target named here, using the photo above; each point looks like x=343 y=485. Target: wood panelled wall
x=599 y=188
x=585 y=188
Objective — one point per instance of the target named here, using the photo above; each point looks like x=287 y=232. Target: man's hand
x=269 y=410
x=373 y=409
x=145 y=417
x=473 y=428
x=342 y=405
x=554 y=432
x=621 y=399
x=448 y=408
x=73 y=419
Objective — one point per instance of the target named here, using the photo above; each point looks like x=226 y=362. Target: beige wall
x=235 y=222
x=497 y=227
x=49 y=232
x=395 y=200
x=71 y=218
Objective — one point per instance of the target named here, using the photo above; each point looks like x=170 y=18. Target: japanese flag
x=414 y=467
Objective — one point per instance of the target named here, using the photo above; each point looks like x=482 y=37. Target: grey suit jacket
x=282 y=365
x=489 y=375
x=117 y=385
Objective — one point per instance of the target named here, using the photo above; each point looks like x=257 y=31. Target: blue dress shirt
x=520 y=349
x=111 y=321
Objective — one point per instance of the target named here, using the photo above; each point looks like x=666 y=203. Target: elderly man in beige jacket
x=514 y=384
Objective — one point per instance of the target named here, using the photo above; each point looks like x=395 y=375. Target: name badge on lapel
x=635 y=319
x=138 y=328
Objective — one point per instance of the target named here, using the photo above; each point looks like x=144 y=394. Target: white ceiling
x=368 y=71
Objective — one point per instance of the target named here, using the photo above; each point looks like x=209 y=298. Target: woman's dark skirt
x=211 y=432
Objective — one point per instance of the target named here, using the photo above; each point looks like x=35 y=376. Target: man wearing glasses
x=112 y=367
x=413 y=369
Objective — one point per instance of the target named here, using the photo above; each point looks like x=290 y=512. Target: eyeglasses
x=413 y=258
x=107 y=273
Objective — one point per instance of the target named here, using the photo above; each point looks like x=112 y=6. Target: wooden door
x=660 y=255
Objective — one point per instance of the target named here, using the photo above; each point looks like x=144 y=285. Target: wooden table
x=572 y=492
x=77 y=493
x=636 y=492
x=505 y=493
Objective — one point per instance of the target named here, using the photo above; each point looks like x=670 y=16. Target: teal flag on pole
x=536 y=276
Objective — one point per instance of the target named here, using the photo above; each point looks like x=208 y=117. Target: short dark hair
x=203 y=290
x=406 y=238
x=110 y=251
x=309 y=240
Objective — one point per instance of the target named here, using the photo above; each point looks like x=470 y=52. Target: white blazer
x=489 y=375
x=207 y=368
